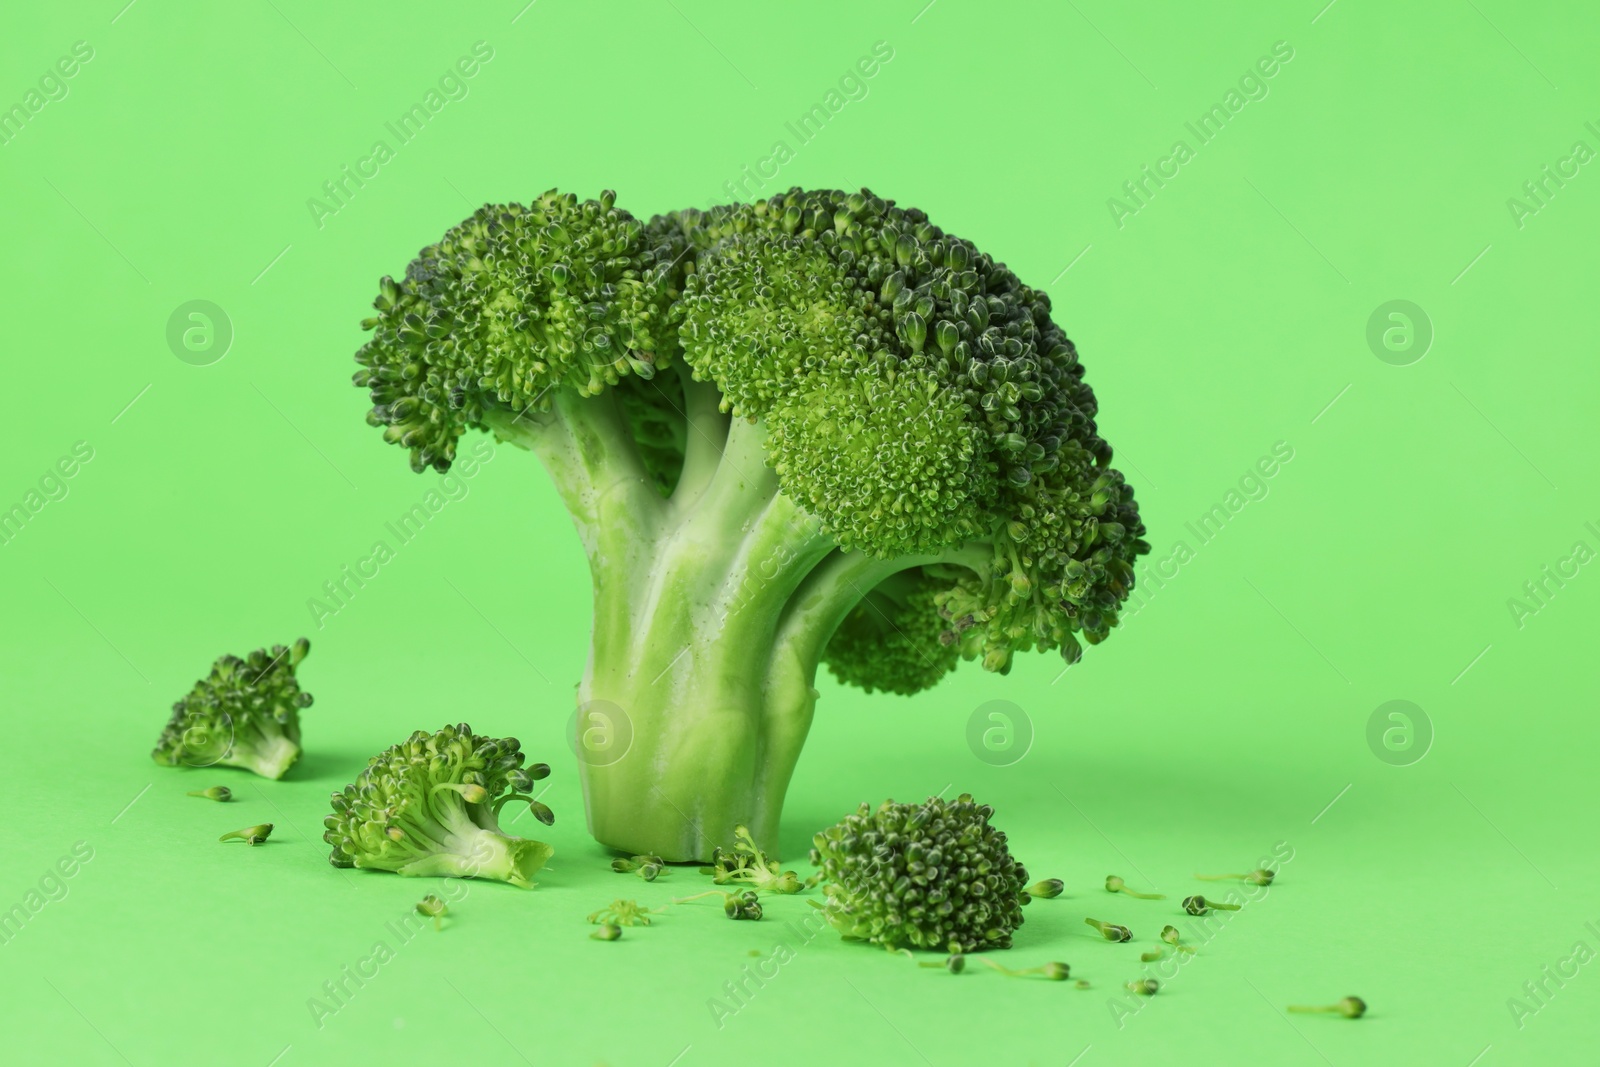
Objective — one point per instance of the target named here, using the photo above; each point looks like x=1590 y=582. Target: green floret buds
x=220 y=793
x=511 y=305
x=934 y=875
x=245 y=713
x=429 y=807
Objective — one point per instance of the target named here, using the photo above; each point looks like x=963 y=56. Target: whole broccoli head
x=429 y=807
x=814 y=428
x=934 y=875
x=245 y=713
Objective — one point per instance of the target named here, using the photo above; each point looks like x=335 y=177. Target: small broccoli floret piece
x=429 y=807
x=934 y=875
x=749 y=865
x=220 y=793
x=624 y=913
x=245 y=713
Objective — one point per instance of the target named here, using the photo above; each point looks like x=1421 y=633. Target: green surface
x=1224 y=319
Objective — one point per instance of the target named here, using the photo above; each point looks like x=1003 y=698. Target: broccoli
x=245 y=713
x=814 y=428
x=429 y=807
x=934 y=875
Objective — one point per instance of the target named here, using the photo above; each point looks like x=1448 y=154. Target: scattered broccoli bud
x=1150 y=957
x=434 y=908
x=1111 y=931
x=607 y=932
x=1082 y=983
x=1117 y=885
x=216 y=792
x=1055 y=972
x=1349 y=1007
x=954 y=963
x=736 y=905
x=647 y=867
x=1048 y=889
x=1144 y=987
x=747 y=863
x=1259 y=876
x=1198 y=905
x=624 y=913
x=1169 y=934
x=934 y=875
x=429 y=807
x=245 y=713
x=250 y=835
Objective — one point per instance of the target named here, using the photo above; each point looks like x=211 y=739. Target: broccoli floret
x=812 y=429
x=934 y=875
x=245 y=713
x=429 y=807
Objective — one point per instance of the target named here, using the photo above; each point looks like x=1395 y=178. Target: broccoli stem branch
x=711 y=613
x=706 y=436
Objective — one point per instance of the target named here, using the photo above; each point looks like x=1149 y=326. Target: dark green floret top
x=932 y=876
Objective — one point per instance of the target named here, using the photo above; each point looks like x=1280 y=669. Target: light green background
x=1222 y=318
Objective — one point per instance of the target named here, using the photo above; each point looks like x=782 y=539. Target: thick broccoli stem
x=264 y=749
x=709 y=624
x=465 y=841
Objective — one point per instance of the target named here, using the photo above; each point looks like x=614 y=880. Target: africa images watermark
x=1553 y=577
x=53 y=87
x=338 y=992
x=339 y=591
x=741 y=990
x=1253 y=486
x=452 y=85
x=52 y=888
x=852 y=87
x=1553 y=978
x=1538 y=192
x=1253 y=85
x=52 y=487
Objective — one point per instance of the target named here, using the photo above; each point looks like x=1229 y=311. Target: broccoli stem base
x=670 y=767
x=483 y=854
x=268 y=756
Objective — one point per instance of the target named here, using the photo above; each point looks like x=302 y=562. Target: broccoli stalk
x=811 y=429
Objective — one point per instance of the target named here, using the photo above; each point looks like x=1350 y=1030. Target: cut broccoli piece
x=429 y=807
x=934 y=875
x=245 y=713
